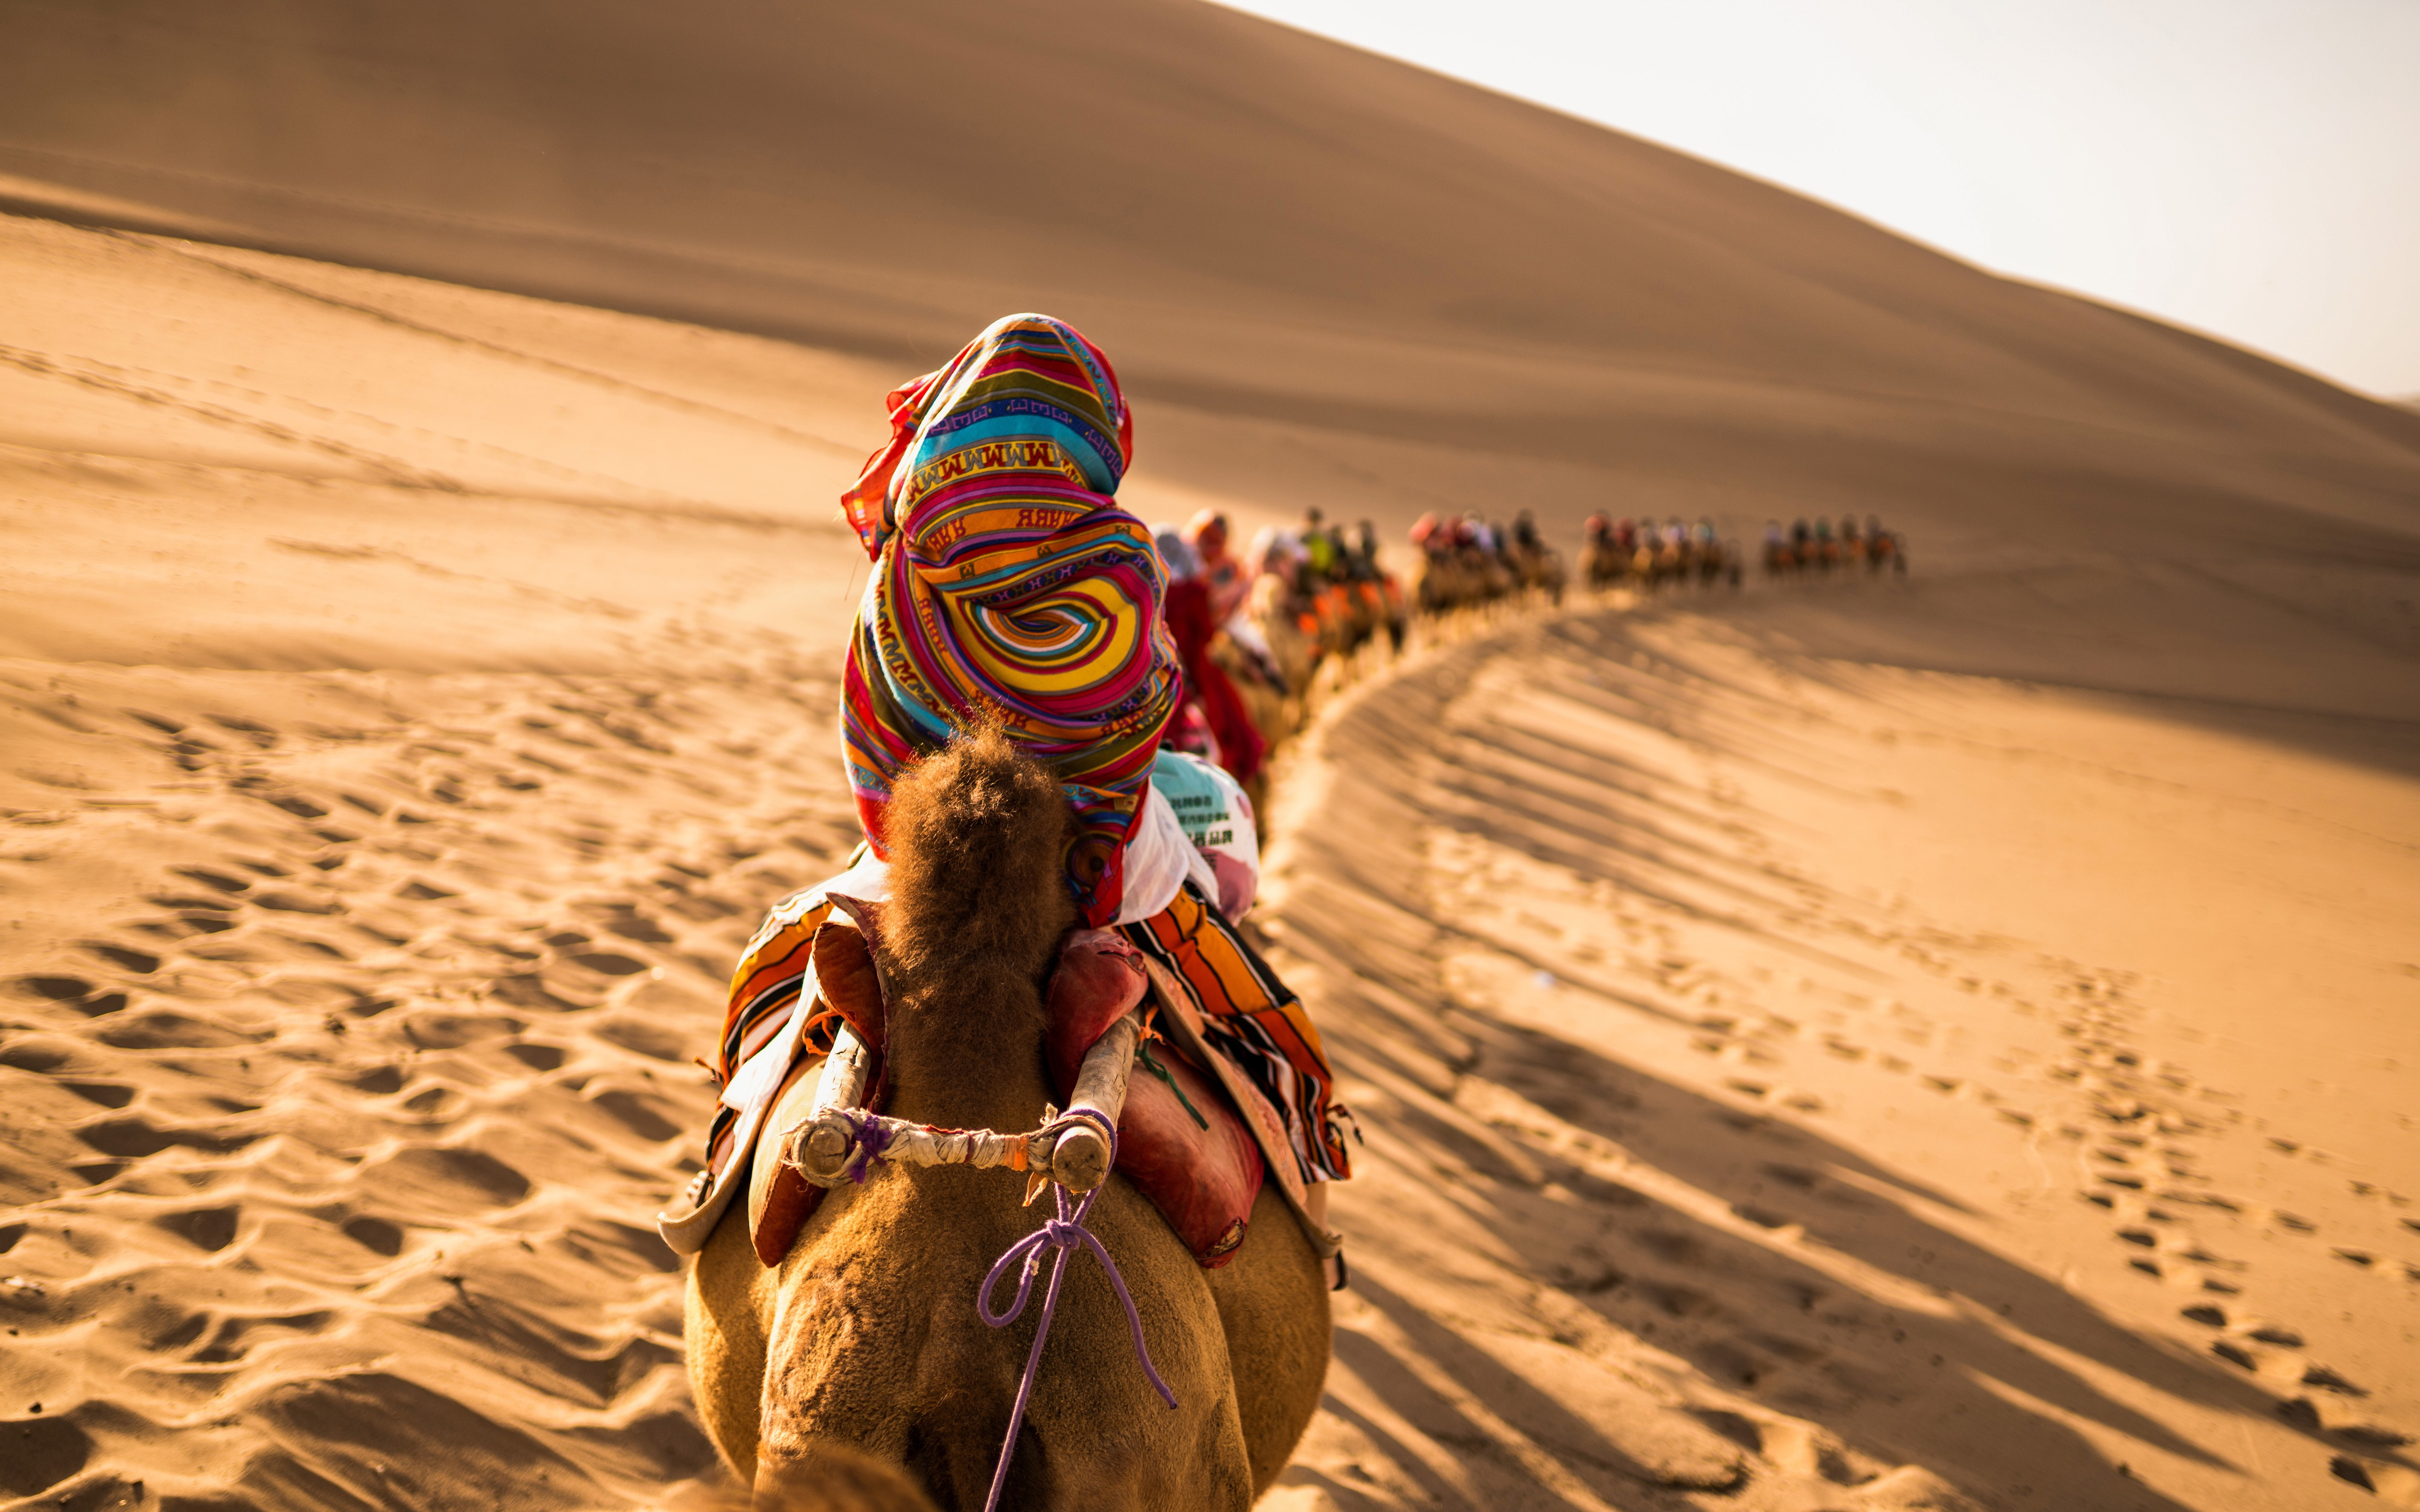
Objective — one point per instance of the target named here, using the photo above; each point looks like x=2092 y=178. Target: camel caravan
x=1638 y=554
x=1256 y=629
x=1821 y=549
x=1469 y=562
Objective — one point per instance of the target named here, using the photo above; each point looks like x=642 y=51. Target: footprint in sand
x=465 y=1075
x=2319 y=1377
x=2397 y=1484
x=73 y=992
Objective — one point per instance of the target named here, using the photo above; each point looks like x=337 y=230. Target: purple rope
x=873 y=1139
x=1063 y=1233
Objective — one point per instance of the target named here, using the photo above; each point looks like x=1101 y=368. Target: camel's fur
x=865 y=1338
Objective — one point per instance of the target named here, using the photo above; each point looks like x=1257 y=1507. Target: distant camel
x=1602 y=564
x=862 y=1348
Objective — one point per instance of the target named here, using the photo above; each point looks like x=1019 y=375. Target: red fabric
x=847 y=981
x=1099 y=977
x=850 y=986
x=864 y=502
x=1241 y=750
x=1229 y=582
x=1203 y=1181
x=1187 y=612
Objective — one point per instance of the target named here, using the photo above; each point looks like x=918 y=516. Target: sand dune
x=1331 y=277
x=1880 y=1068
x=1869 y=1044
x=404 y=726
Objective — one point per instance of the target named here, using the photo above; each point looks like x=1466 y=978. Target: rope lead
x=1061 y=1234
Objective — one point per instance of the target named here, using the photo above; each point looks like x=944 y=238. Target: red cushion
x=1203 y=1173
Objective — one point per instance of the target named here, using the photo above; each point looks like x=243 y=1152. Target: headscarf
x=1207 y=533
x=1009 y=586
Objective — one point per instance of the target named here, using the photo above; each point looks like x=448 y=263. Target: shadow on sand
x=1936 y=1351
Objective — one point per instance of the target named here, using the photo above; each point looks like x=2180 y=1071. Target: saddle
x=1182 y=1139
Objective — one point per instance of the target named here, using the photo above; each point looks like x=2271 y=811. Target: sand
x=1941 y=1042
x=1812 y=1054
x=1879 y=1067
x=397 y=750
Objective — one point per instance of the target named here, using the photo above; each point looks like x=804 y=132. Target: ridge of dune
x=1334 y=277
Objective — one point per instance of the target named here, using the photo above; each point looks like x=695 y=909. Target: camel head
x=979 y=901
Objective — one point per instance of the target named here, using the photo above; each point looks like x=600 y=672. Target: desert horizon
x=1836 y=1039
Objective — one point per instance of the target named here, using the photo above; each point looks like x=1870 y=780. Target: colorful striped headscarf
x=1009 y=586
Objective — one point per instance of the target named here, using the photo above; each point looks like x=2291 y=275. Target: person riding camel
x=1185 y=608
x=1319 y=551
x=1885 y=545
x=1222 y=574
x=1009 y=591
x=1193 y=621
x=1363 y=553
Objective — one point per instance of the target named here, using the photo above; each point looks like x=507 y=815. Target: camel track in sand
x=1635 y=1051
x=334 y=1159
x=368 y=1103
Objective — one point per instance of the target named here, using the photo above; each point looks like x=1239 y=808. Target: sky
x=2249 y=168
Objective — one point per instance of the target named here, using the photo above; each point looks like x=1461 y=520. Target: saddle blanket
x=1183 y=1138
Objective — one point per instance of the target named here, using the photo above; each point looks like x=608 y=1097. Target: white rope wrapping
x=915 y=1145
x=1067 y=1149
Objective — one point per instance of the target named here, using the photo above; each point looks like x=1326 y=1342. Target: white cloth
x=1159 y=856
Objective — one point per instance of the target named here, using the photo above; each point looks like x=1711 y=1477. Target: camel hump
x=977 y=834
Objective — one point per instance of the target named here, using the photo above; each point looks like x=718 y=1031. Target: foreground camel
x=863 y=1350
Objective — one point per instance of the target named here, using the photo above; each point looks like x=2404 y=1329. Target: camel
x=1275 y=712
x=1602 y=564
x=1543 y=568
x=1461 y=578
x=1271 y=608
x=857 y=1373
x=1435 y=585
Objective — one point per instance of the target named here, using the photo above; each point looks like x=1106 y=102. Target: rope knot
x=1065 y=1232
x=1062 y=1233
